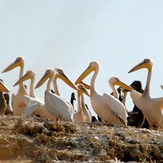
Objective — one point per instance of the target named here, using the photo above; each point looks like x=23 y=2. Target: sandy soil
x=35 y=140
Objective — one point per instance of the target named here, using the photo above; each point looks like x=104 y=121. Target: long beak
x=63 y=77
x=23 y=78
x=3 y=88
x=46 y=76
x=124 y=86
x=86 y=92
x=145 y=64
x=17 y=63
x=85 y=74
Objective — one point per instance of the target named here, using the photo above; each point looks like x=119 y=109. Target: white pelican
x=121 y=110
x=106 y=106
x=18 y=104
x=79 y=115
x=86 y=110
x=55 y=104
x=31 y=98
x=35 y=105
x=136 y=117
x=152 y=108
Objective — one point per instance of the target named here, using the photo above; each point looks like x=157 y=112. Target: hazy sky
x=71 y=33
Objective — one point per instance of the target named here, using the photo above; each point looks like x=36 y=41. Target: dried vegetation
x=35 y=140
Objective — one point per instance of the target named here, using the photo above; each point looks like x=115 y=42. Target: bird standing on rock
x=18 y=102
x=152 y=108
x=109 y=108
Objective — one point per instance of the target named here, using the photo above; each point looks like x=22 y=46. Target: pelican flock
x=35 y=105
x=110 y=107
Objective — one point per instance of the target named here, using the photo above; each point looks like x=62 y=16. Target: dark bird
x=72 y=99
x=8 y=108
x=2 y=104
x=135 y=117
x=138 y=118
x=120 y=94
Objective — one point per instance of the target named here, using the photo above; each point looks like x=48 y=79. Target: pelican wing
x=136 y=96
x=29 y=110
x=59 y=107
x=117 y=107
x=30 y=100
x=159 y=102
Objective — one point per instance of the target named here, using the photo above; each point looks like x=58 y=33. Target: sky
x=70 y=34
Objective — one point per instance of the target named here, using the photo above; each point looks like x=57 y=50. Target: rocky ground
x=35 y=140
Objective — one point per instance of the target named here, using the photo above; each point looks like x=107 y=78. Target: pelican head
x=146 y=63
x=60 y=74
x=93 y=66
x=3 y=88
x=48 y=74
x=57 y=73
x=28 y=75
x=82 y=89
x=115 y=81
x=19 y=62
x=85 y=85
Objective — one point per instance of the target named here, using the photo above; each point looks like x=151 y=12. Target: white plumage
x=152 y=108
x=100 y=102
x=34 y=104
x=17 y=100
x=117 y=107
x=55 y=104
